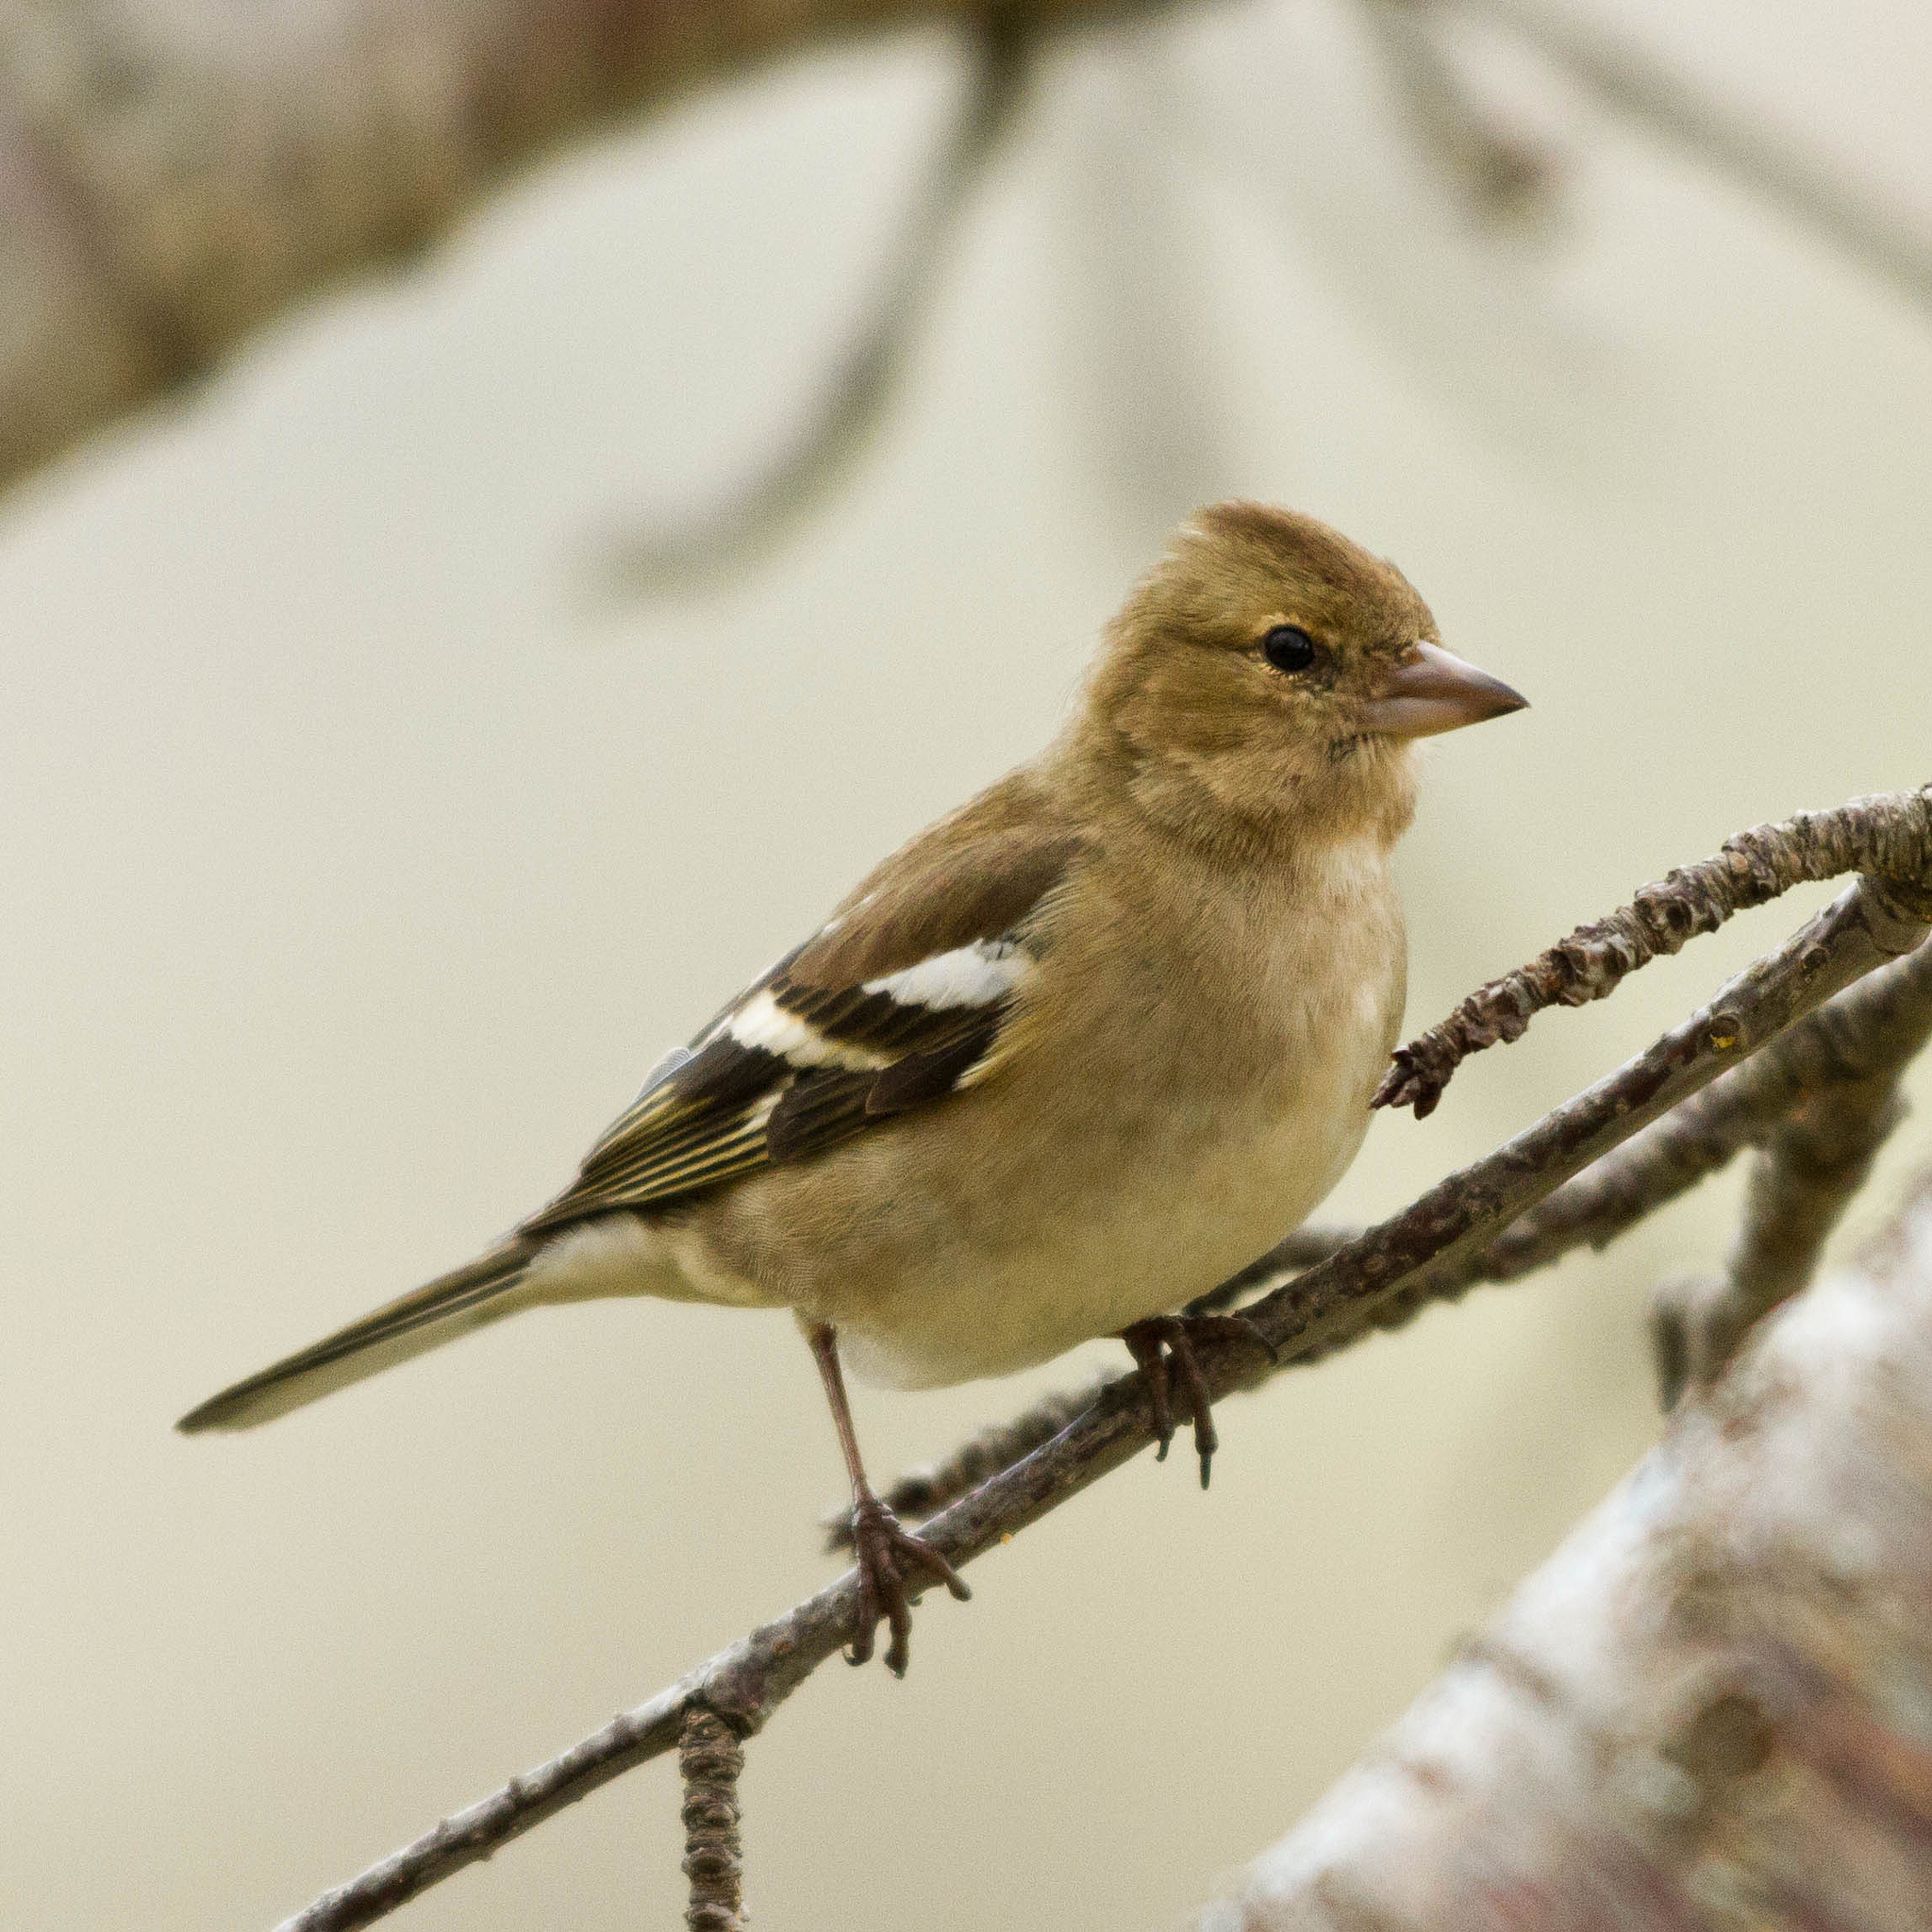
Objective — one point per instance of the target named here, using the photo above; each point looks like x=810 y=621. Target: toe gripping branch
x=1164 y=1348
x=890 y=1556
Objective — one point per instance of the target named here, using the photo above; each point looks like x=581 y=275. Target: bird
x=1062 y=1062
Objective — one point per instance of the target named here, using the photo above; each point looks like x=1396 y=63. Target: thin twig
x=1428 y=1252
x=1844 y=1064
x=850 y=410
x=1751 y=869
x=1506 y=174
x=1800 y=1186
x=709 y=1757
x=1876 y=1024
x=1872 y=1029
x=1762 y=158
x=1865 y=926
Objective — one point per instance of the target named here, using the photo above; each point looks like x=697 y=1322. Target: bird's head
x=1266 y=680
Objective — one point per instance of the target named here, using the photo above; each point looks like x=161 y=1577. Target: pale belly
x=950 y=1290
x=1173 y=1230
x=1129 y=1215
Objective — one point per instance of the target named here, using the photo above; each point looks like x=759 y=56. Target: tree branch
x=1643 y=88
x=847 y=415
x=173 y=175
x=1801 y=1183
x=1880 y=1024
x=1708 y=1708
x=1331 y=1302
x=1750 y=870
x=709 y=1757
x=1506 y=174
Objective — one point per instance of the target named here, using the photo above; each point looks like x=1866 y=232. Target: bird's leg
x=887 y=1554
x=1163 y=1348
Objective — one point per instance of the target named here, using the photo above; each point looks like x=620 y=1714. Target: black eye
x=1288 y=647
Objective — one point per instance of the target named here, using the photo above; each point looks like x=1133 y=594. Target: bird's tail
x=450 y=1305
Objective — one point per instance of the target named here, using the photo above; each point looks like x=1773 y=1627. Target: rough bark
x=710 y=1755
x=1751 y=869
x=1713 y=1707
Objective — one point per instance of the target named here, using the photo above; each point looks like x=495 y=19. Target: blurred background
x=381 y=803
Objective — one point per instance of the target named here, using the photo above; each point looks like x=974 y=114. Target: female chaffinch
x=1061 y=1063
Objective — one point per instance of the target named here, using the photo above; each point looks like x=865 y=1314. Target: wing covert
x=899 y=1000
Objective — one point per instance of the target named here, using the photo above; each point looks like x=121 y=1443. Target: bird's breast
x=1224 y=1088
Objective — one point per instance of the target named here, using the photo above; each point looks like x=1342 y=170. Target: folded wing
x=901 y=999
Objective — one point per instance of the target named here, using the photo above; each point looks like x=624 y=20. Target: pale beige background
x=359 y=856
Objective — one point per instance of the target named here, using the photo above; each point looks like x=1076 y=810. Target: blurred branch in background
x=1140 y=336
x=1639 y=88
x=1425 y=1252
x=1806 y=1171
x=1506 y=174
x=1708 y=1709
x=175 y=176
x=862 y=384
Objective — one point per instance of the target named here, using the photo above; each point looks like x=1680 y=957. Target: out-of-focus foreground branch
x=172 y=172
x=1712 y=1708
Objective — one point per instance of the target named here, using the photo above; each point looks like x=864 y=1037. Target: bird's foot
x=1163 y=1348
x=889 y=1557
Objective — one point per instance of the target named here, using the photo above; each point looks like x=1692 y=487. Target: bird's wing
x=898 y=1000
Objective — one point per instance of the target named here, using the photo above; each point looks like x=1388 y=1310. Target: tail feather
x=450 y=1305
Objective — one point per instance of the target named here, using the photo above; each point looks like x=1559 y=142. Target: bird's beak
x=1431 y=691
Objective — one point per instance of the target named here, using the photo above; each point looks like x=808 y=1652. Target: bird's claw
x=1163 y=1348
x=888 y=1555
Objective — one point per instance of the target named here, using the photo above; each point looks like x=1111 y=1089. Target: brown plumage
x=1065 y=1059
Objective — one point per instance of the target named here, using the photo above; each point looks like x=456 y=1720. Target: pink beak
x=1432 y=692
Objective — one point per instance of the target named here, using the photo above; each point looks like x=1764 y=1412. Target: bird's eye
x=1288 y=647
